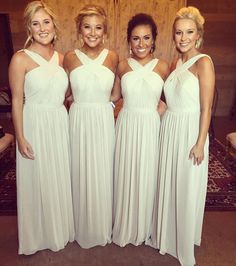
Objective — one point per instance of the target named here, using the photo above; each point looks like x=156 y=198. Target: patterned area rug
x=221 y=195
x=8 y=182
x=221 y=191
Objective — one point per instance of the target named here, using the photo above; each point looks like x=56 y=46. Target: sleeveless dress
x=136 y=154
x=92 y=143
x=178 y=214
x=44 y=199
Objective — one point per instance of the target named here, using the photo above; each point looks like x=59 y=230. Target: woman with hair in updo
x=91 y=70
x=39 y=84
x=183 y=164
x=137 y=133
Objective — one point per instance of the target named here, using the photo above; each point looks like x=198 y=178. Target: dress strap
x=85 y=59
x=40 y=60
x=181 y=68
x=191 y=61
x=102 y=56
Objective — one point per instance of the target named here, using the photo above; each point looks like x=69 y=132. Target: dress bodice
x=182 y=87
x=91 y=82
x=141 y=87
x=47 y=83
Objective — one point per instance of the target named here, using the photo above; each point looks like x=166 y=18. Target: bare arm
x=206 y=75
x=163 y=71
x=67 y=66
x=17 y=70
x=116 y=90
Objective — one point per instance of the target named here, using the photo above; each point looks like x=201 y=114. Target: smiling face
x=185 y=35
x=42 y=28
x=141 y=41
x=92 y=30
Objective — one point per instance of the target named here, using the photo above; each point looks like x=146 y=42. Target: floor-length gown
x=136 y=154
x=92 y=143
x=182 y=186
x=44 y=198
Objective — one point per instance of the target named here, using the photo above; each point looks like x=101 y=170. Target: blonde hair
x=91 y=10
x=194 y=14
x=30 y=10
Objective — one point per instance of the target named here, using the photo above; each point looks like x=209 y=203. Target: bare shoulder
x=112 y=60
x=173 y=64
x=122 y=65
x=205 y=64
x=20 y=60
x=162 y=68
x=69 y=55
x=69 y=59
x=61 y=57
x=113 y=55
x=205 y=61
x=163 y=65
x=19 y=56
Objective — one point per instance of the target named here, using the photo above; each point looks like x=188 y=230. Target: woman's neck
x=45 y=51
x=186 y=56
x=145 y=60
x=92 y=52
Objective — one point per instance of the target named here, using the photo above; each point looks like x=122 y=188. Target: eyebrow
x=185 y=30
x=37 y=20
x=141 y=36
x=86 y=23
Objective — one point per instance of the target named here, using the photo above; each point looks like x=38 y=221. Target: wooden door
x=6 y=49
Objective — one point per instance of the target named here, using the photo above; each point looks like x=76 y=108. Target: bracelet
x=113 y=105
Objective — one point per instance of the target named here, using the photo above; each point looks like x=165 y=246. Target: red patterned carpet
x=221 y=193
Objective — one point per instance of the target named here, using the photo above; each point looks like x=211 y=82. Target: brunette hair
x=142 y=19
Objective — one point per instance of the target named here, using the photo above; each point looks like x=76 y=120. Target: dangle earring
x=31 y=39
x=130 y=51
x=54 y=39
x=198 y=43
x=81 y=42
x=152 y=49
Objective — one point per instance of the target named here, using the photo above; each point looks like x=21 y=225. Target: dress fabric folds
x=180 y=198
x=92 y=144
x=136 y=154
x=44 y=198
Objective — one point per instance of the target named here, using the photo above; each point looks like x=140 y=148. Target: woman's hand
x=197 y=154
x=25 y=149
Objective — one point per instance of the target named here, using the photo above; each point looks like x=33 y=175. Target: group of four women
x=84 y=178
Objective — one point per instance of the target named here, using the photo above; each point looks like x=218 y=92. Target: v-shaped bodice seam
x=38 y=59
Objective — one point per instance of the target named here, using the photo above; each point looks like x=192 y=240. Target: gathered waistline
x=183 y=110
x=96 y=104
x=44 y=106
x=139 y=109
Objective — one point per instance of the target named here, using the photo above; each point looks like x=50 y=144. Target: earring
x=103 y=40
x=152 y=49
x=198 y=43
x=130 y=51
x=54 y=38
x=81 y=42
x=31 y=38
